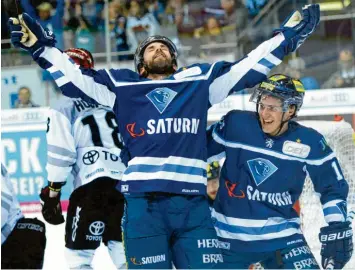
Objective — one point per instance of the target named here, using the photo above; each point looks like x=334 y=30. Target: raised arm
x=254 y=67
x=74 y=81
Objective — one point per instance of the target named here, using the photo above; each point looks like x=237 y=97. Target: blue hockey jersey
x=163 y=122
x=262 y=177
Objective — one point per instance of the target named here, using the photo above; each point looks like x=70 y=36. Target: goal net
x=340 y=137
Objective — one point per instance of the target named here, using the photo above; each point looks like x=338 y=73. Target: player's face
x=157 y=57
x=212 y=188
x=270 y=114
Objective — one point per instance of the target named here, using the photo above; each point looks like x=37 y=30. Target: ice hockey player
x=23 y=240
x=80 y=140
x=268 y=157
x=162 y=113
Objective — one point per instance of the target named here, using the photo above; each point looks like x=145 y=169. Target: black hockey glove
x=51 y=208
x=337 y=244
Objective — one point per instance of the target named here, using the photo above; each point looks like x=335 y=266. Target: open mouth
x=267 y=122
x=159 y=55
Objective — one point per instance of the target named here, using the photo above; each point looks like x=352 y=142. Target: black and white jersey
x=82 y=140
x=10 y=207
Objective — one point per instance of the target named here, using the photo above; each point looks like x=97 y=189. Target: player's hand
x=28 y=34
x=51 y=208
x=337 y=245
x=296 y=28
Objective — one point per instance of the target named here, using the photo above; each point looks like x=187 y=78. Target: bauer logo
x=296 y=149
x=261 y=169
x=161 y=98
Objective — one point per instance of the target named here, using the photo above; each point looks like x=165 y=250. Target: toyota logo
x=97 y=228
x=90 y=157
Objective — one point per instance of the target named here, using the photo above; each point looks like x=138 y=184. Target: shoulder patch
x=296 y=149
x=193 y=71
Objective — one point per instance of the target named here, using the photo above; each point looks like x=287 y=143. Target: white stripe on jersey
x=72 y=73
x=334 y=218
x=255 y=230
x=158 y=168
x=185 y=79
x=249 y=237
x=272 y=153
x=162 y=175
x=168 y=160
x=252 y=222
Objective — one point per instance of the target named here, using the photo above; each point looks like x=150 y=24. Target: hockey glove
x=28 y=34
x=337 y=244
x=51 y=208
x=297 y=28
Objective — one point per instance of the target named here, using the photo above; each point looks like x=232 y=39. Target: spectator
x=118 y=23
x=213 y=170
x=83 y=37
x=140 y=24
x=345 y=76
x=295 y=68
x=24 y=99
x=43 y=15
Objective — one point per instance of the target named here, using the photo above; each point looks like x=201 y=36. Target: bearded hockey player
x=81 y=138
x=268 y=157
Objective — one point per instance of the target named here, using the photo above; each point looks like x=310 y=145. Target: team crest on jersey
x=269 y=143
x=161 y=98
x=261 y=169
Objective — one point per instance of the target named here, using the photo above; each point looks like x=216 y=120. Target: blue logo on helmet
x=161 y=98
x=261 y=169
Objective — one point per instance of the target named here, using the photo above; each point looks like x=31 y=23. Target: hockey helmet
x=289 y=91
x=81 y=57
x=138 y=56
x=213 y=170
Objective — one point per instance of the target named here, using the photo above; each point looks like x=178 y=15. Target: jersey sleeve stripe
x=59 y=162
x=334 y=218
x=5 y=205
x=60 y=151
x=57 y=74
x=58 y=63
x=261 y=68
x=331 y=210
x=273 y=59
x=7 y=196
x=61 y=157
x=266 y=63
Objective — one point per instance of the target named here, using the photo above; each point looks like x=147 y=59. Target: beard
x=160 y=65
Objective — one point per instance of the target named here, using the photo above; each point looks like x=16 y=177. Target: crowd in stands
x=193 y=24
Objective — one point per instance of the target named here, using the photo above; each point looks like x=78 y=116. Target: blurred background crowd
x=204 y=31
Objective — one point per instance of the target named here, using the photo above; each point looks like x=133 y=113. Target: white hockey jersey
x=82 y=140
x=10 y=207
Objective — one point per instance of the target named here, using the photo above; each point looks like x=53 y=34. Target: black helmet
x=289 y=91
x=138 y=56
x=213 y=170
